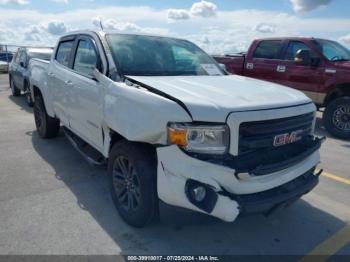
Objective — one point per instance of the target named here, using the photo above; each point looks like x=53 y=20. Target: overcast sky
x=218 y=26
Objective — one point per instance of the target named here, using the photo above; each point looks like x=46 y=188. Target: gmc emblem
x=287 y=138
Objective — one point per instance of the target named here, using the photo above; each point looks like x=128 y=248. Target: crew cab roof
x=105 y=32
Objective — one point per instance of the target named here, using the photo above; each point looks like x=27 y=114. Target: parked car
x=6 y=56
x=172 y=125
x=5 y=59
x=19 y=71
x=3 y=67
x=318 y=67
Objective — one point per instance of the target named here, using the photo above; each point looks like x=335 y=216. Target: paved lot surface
x=53 y=202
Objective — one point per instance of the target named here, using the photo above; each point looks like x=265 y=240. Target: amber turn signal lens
x=177 y=136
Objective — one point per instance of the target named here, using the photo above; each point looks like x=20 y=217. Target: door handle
x=51 y=74
x=250 y=66
x=281 y=68
x=68 y=83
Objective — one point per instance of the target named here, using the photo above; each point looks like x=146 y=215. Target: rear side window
x=293 y=48
x=63 y=52
x=268 y=49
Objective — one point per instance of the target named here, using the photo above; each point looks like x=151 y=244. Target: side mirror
x=303 y=57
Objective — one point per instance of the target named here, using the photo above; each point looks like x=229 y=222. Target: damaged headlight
x=204 y=139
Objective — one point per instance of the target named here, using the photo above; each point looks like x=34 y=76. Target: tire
x=134 y=190
x=15 y=91
x=336 y=117
x=47 y=127
x=29 y=99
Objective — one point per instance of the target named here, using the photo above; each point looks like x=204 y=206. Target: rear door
x=59 y=80
x=265 y=61
x=306 y=78
x=86 y=93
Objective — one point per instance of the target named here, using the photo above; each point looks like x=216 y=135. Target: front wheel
x=46 y=126
x=14 y=90
x=132 y=170
x=336 y=117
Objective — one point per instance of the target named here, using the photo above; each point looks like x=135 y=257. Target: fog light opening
x=201 y=195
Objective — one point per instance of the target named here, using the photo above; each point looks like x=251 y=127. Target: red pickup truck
x=320 y=68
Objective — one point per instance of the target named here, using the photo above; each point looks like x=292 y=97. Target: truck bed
x=234 y=63
x=38 y=72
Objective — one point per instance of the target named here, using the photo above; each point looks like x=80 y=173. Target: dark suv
x=18 y=70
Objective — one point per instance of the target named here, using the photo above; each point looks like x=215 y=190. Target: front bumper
x=281 y=196
x=233 y=195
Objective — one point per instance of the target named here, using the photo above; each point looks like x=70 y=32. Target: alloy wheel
x=341 y=118
x=126 y=184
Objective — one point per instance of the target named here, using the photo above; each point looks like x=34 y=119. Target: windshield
x=139 y=55
x=43 y=56
x=333 y=51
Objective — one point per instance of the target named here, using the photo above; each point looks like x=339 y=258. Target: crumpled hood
x=212 y=98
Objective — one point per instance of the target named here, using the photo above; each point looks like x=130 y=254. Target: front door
x=306 y=78
x=19 y=71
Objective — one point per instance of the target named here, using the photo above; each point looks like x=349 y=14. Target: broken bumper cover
x=228 y=195
x=278 y=197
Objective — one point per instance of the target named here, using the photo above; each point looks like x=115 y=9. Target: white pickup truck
x=171 y=124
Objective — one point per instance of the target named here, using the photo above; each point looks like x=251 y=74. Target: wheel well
x=339 y=91
x=116 y=137
x=36 y=91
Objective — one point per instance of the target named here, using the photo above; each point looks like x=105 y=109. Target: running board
x=88 y=152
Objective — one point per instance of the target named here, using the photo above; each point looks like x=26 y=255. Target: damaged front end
x=256 y=174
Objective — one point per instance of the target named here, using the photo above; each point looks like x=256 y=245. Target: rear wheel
x=15 y=91
x=46 y=126
x=132 y=169
x=336 y=117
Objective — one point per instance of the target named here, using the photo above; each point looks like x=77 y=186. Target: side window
x=63 y=52
x=268 y=49
x=86 y=58
x=293 y=48
x=23 y=58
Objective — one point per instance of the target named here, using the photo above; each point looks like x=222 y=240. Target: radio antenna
x=101 y=25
